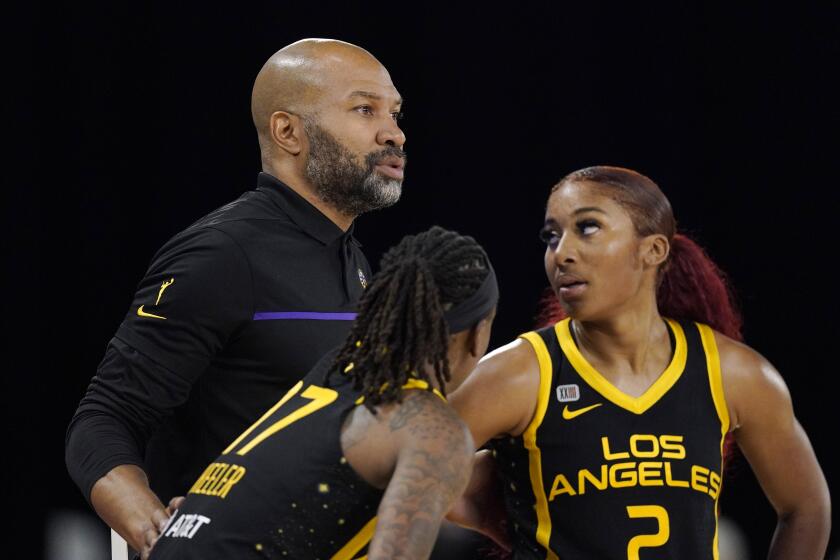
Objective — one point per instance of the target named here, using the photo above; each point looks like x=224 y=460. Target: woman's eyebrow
x=588 y=209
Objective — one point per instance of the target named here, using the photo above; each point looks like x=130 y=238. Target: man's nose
x=391 y=134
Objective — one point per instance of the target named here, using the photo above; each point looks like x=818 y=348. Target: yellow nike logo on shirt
x=144 y=314
x=569 y=414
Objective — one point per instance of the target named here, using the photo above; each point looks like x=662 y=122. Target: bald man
x=240 y=305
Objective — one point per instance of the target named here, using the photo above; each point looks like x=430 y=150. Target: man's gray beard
x=339 y=181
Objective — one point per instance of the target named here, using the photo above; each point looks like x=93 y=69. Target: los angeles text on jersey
x=623 y=468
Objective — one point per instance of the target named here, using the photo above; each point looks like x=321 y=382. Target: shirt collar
x=302 y=213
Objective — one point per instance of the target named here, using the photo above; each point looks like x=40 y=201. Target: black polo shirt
x=231 y=313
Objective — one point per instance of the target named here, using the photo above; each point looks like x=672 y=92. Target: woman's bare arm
x=778 y=450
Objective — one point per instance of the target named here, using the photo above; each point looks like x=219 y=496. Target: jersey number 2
x=645 y=541
x=320 y=398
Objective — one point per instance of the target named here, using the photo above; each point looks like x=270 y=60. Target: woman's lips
x=572 y=291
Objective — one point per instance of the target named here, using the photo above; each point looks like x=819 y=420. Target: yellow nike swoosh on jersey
x=569 y=414
x=144 y=314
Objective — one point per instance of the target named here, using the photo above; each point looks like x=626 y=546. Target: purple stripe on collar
x=312 y=315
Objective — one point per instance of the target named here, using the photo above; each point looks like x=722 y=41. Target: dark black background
x=136 y=121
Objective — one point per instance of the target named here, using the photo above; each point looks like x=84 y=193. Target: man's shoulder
x=251 y=207
x=251 y=216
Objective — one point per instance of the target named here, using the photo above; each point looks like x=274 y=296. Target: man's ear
x=654 y=250
x=287 y=132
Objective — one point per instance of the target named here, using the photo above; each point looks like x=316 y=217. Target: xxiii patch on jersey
x=601 y=474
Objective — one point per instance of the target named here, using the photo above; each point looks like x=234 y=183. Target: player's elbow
x=816 y=511
x=810 y=517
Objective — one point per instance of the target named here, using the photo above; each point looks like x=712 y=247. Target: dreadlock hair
x=690 y=286
x=400 y=328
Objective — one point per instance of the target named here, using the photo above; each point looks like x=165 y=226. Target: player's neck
x=429 y=371
x=624 y=341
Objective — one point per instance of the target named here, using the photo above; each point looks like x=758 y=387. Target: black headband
x=476 y=307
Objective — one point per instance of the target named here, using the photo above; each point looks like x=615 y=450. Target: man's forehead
x=343 y=77
x=373 y=91
x=344 y=83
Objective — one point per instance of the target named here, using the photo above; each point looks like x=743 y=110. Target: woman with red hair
x=608 y=426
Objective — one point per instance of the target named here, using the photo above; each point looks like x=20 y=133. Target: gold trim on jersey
x=715 y=379
x=707 y=336
x=529 y=437
x=636 y=405
x=412 y=383
x=357 y=543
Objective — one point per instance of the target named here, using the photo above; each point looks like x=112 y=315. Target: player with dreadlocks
x=610 y=439
x=364 y=453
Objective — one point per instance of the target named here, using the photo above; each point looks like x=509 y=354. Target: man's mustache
x=375 y=157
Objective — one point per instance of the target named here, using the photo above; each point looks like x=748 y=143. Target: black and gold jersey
x=601 y=474
x=283 y=488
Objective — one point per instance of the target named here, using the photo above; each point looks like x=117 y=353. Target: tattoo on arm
x=408 y=409
x=433 y=468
